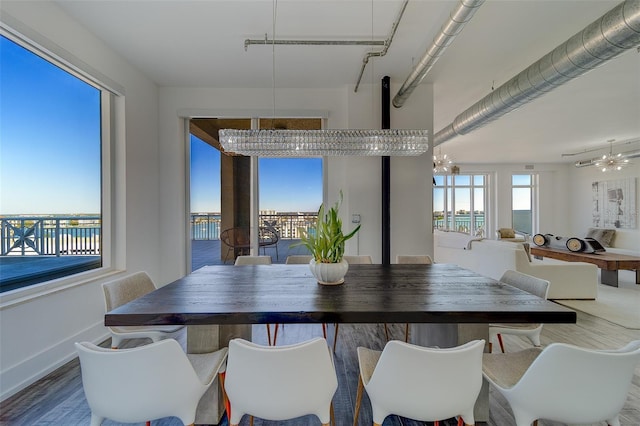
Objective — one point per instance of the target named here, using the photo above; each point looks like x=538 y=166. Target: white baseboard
x=32 y=369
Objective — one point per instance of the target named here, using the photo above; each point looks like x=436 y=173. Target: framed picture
x=614 y=203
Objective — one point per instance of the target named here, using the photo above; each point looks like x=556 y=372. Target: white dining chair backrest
x=124 y=290
x=298 y=259
x=253 y=260
x=358 y=260
x=145 y=382
x=426 y=384
x=570 y=384
x=530 y=284
x=424 y=259
x=280 y=382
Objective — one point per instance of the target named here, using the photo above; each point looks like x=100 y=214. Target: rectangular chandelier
x=310 y=143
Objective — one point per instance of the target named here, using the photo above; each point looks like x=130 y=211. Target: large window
x=523 y=198
x=459 y=203
x=50 y=168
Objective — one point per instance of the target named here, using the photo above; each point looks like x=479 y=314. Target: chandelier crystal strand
x=306 y=143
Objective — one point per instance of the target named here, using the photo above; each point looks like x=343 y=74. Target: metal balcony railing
x=206 y=226
x=50 y=235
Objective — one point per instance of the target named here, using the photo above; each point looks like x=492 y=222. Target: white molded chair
x=252 y=260
x=259 y=260
x=352 y=260
x=564 y=383
x=298 y=259
x=280 y=382
x=420 y=259
x=530 y=284
x=409 y=259
x=124 y=290
x=358 y=260
x=423 y=384
x=146 y=382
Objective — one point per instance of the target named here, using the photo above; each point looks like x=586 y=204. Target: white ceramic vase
x=329 y=273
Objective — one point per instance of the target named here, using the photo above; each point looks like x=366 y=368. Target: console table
x=609 y=263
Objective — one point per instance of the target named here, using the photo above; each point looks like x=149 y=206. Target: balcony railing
x=206 y=226
x=50 y=235
x=461 y=224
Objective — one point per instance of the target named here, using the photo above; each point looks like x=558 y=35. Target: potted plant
x=325 y=242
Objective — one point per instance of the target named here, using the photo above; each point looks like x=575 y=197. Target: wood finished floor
x=58 y=399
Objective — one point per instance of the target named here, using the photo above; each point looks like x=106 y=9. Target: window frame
x=449 y=187
x=111 y=125
x=533 y=200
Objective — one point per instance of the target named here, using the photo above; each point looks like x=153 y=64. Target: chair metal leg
x=406 y=333
x=268 y=334
x=275 y=335
x=386 y=331
x=324 y=330
x=335 y=337
x=500 y=341
x=332 y=415
x=358 y=400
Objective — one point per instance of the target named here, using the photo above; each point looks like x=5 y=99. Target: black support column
x=386 y=176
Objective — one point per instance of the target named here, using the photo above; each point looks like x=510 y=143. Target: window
x=522 y=202
x=459 y=203
x=51 y=176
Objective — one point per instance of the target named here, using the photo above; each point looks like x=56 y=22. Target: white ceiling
x=201 y=43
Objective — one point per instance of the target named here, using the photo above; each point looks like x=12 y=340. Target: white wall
x=37 y=332
x=580 y=197
x=358 y=178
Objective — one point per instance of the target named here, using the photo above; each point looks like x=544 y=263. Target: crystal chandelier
x=442 y=163
x=610 y=162
x=306 y=143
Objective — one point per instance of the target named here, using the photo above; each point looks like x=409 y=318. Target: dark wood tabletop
x=439 y=293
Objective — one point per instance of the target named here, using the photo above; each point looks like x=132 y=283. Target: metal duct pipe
x=459 y=16
x=387 y=44
x=608 y=36
x=592 y=161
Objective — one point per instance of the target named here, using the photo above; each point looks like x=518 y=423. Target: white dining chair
x=423 y=384
x=259 y=260
x=124 y=290
x=279 y=383
x=352 y=260
x=415 y=259
x=530 y=284
x=298 y=259
x=564 y=383
x=252 y=260
x=146 y=382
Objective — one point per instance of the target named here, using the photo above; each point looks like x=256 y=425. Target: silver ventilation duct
x=459 y=16
x=615 y=32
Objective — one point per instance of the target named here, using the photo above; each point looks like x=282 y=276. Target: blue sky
x=286 y=184
x=49 y=137
x=50 y=148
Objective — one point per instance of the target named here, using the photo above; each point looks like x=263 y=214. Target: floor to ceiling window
x=459 y=203
x=52 y=169
x=523 y=200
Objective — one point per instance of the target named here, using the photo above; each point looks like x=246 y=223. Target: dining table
x=445 y=304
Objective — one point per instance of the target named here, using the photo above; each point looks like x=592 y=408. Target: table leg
x=209 y=338
x=450 y=335
x=609 y=277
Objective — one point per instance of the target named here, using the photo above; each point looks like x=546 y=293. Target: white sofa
x=569 y=280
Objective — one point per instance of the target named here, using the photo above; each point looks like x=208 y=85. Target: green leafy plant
x=326 y=243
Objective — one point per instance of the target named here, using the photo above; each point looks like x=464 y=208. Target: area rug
x=618 y=305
